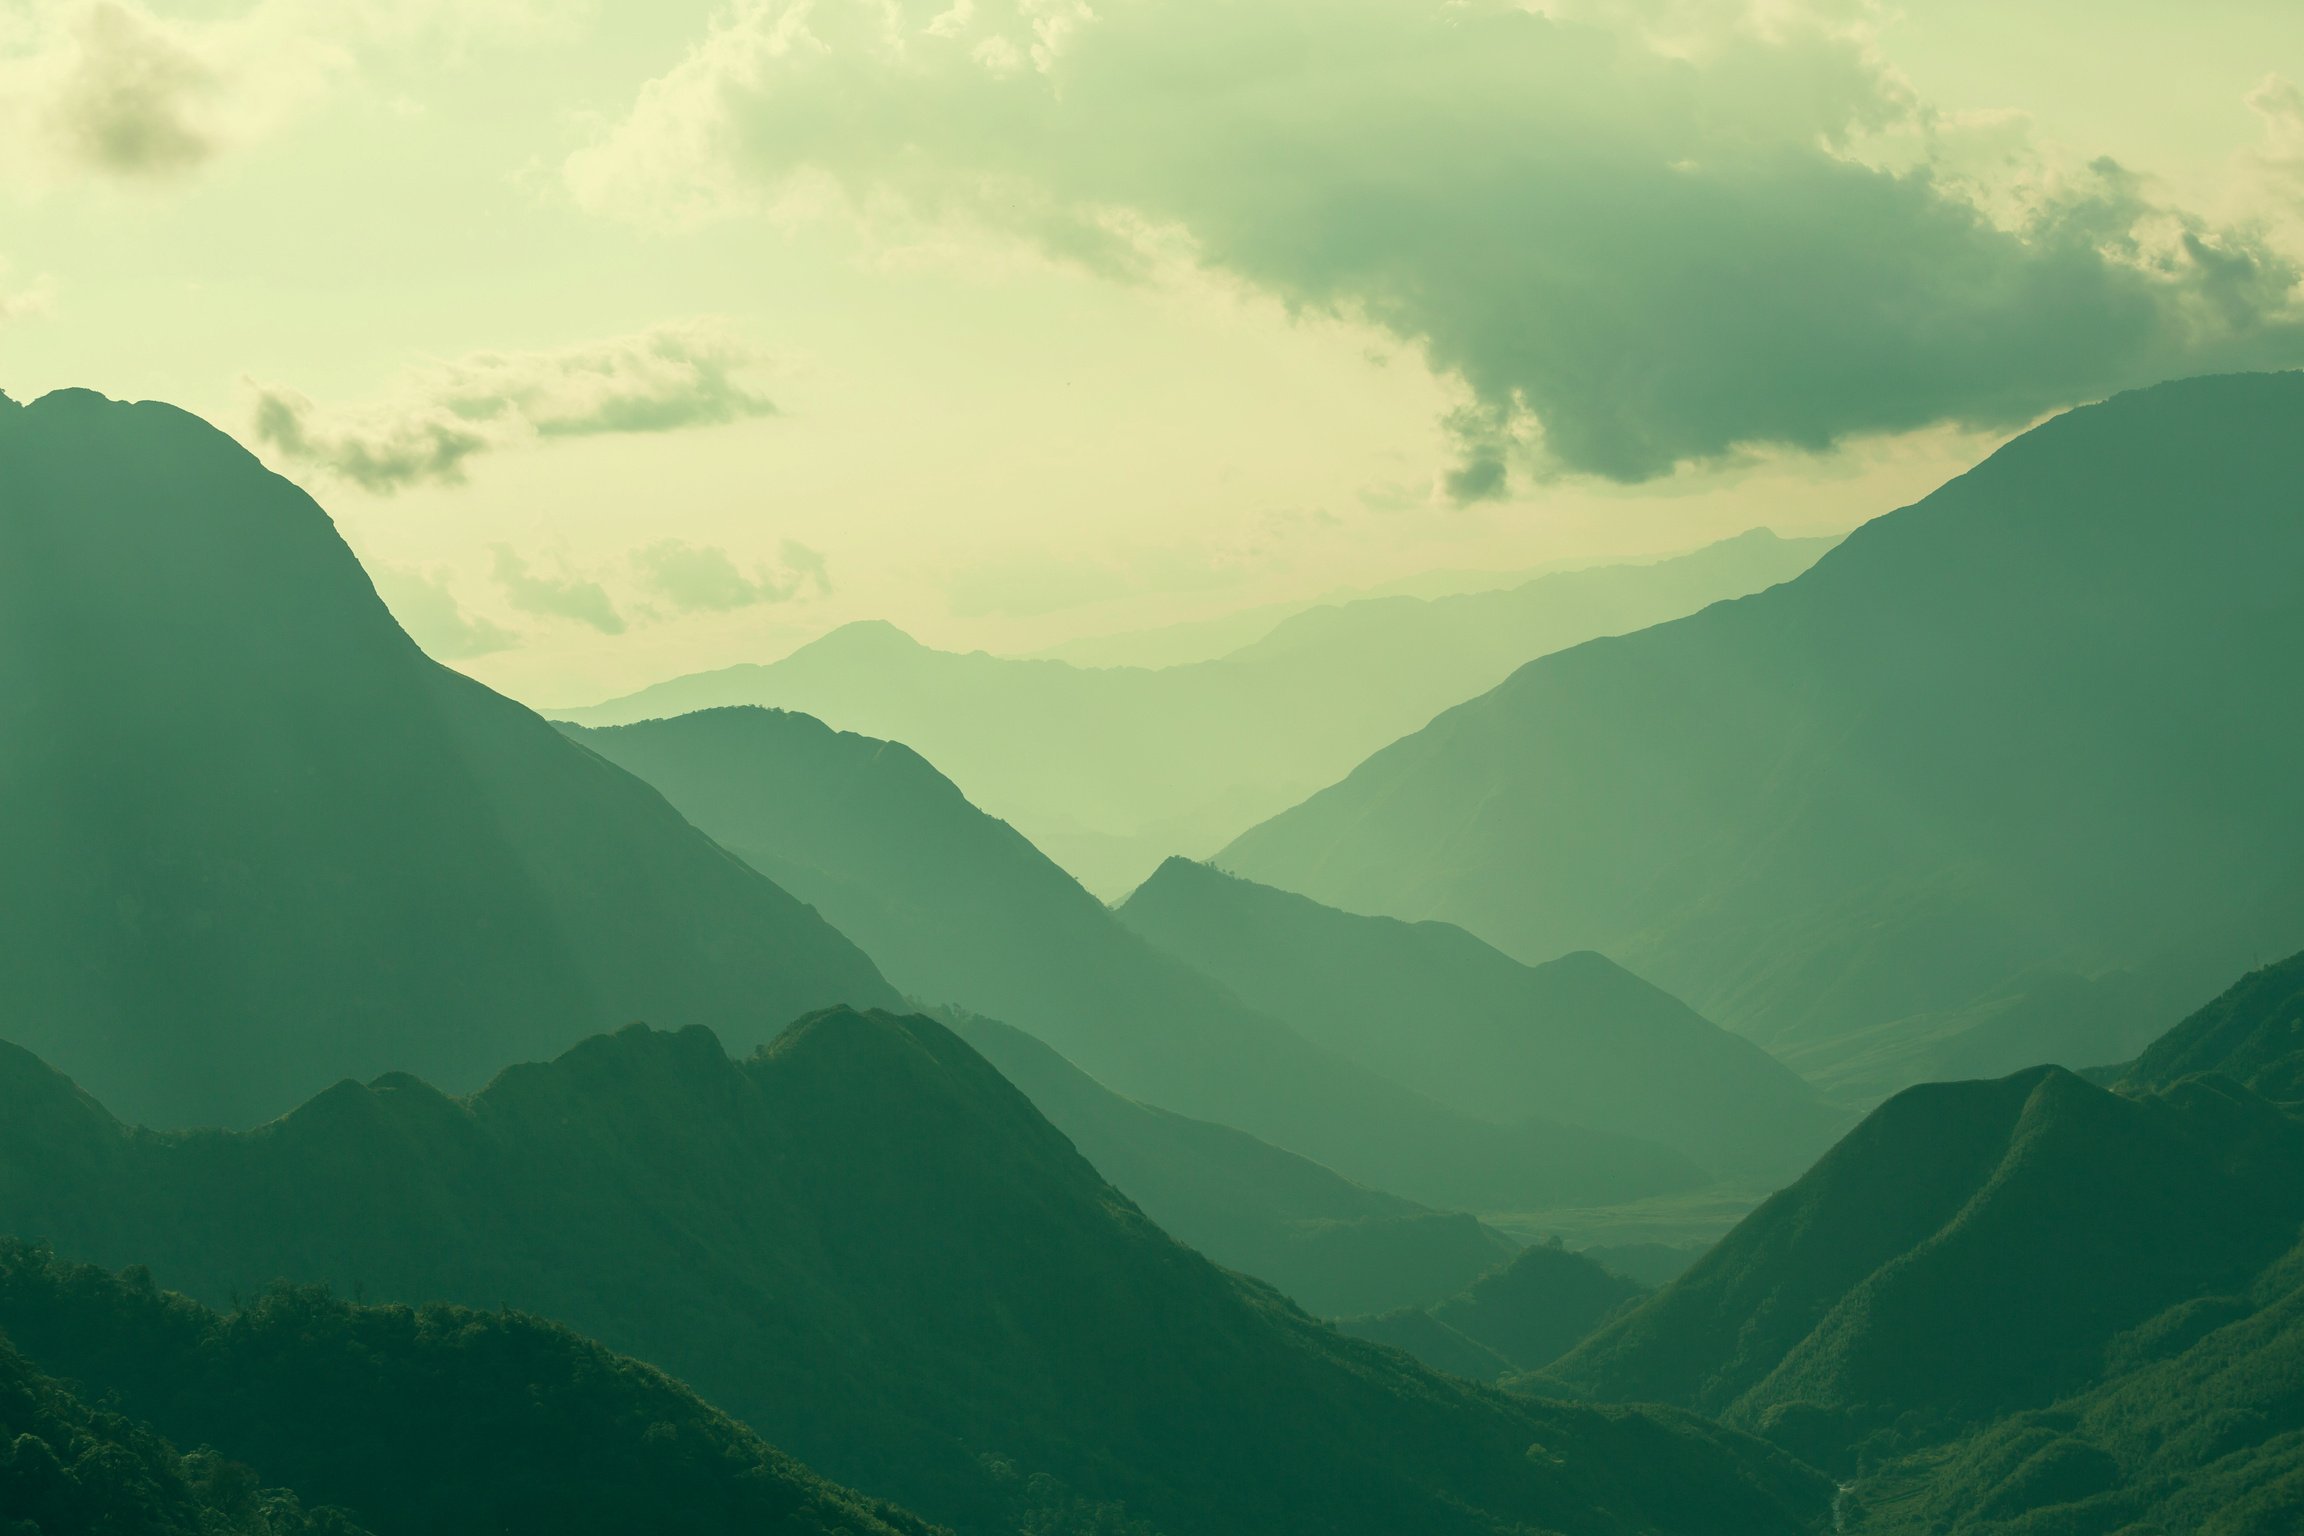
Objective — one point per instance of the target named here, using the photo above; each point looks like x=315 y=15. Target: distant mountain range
x=964 y=910
x=432 y=1421
x=255 y=841
x=867 y=1244
x=2029 y=1304
x=1578 y=1039
x=1111 y=770
x=1520 y=1316
x=2003 y=779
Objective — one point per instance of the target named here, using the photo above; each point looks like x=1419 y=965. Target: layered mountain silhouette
x=1977 y=1253
x=1111 y=769
x=1334 y=1247
x=1520 y=1316
x=962 y=909
x=1578 y=1039
x=867 y=1244
x=256 y=841
x=2001 y=779
x=396 y=1421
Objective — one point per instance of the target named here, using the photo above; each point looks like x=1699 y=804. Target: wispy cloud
x=701 y=578
x=110 y=88
x=562 y=596
x=17 y=301
x=130 y=91
x=1652 y=235
x=669 y=378
x=425 y=603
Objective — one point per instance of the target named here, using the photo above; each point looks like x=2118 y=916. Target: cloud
x=426 y=606
x=1635 y=239
x=666 y=379
x=16 y=303
x=700 y=578
x=2279 y=108
x=108 y=88
x=114 y=89
x=564 y=596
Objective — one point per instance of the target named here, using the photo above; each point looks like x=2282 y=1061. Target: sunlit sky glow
x=625 y=340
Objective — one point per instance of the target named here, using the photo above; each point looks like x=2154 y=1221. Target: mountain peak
x=864 y=637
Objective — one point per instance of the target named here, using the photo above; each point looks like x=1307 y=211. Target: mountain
x=1109 y=770
x=1333 y=1247
x=1522 y=1315
x=256 y=841
x=1971 y=1250
x=1997 y=781
x=433 y=1421
x=2196 y=1430
x=68 y=1468
x=2253 y=1033
x=963 y=910
x=1578 y=1039
x=866 y=1243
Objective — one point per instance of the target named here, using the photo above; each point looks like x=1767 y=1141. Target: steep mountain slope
x=1578 y=1039
x=1522 y=1315
x=961 y=909
x=66 y=1468
x=866 y=1243
x=1110 y=770
x=1970 y=1250
x=256 y=841
x=1333 y=1247
x=2253 y=1033
x=2010 y=736
x=2198 y=1429
x=433 y=1422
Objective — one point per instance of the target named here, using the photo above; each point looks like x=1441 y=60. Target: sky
x=624 y=340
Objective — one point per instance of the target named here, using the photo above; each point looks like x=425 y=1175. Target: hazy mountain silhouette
x=962 y=909
x=1881 y=816
x=1522 y=1315
x=1972 y=1249
x=865 y=1242
x=437 y=1421
x=256 y=841
x=1332 y=1246
x=1578 y=1039
x=1110 y=770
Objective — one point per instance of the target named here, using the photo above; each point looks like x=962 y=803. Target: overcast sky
x=626 y=339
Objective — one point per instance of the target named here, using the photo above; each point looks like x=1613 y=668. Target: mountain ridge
x=260 y=841
x=869 y=1246
x=2002 y=740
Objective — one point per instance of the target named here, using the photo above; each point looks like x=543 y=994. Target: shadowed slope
x=1578 y=1039
x=961 y=909
x=432 y=1422
x=1520 y=1316
x=65 y=1467
x=1970 y=1249
x=1882 y=817
x=256 y=840
x=866 y=1242
x=1332 y=1246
